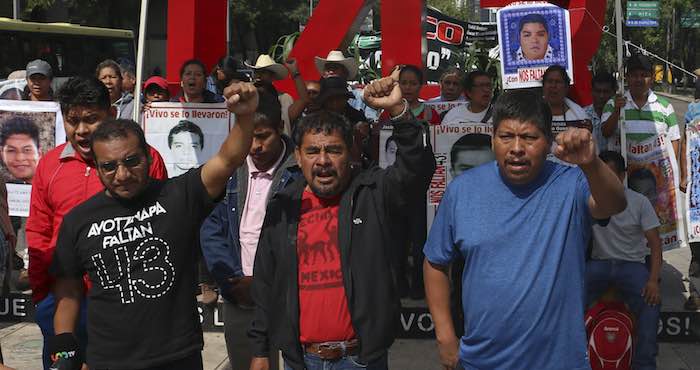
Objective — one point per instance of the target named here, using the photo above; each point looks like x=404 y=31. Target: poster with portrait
x=27 y=131
x=653 y=172
x=457 y=147
x=533 y=37
x=186 y=134
x=692 y=199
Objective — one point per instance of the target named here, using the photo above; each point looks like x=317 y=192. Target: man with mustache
x=324 y=289
x=64 y=178
x=521 y=225
x=137 y=242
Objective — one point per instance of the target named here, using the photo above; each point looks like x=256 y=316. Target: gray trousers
x=239 y=347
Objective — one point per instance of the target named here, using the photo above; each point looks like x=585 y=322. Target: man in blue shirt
x=521 y=224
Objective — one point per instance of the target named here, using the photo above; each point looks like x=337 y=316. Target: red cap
x=160 y=81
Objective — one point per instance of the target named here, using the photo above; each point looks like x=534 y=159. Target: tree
x=459 y=9
x=668 y=40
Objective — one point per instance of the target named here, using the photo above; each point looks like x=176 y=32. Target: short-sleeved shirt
x=524 y=257
x=623 y=237
x=140 y=256
x=655 y=118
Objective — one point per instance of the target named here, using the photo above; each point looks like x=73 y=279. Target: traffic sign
x=691 y=20
x=642 y=14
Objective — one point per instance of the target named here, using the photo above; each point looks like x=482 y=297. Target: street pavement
x=21 y=342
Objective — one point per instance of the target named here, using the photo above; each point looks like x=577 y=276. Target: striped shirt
x=656 y=117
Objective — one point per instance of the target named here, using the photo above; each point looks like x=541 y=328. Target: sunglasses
x=129 y=162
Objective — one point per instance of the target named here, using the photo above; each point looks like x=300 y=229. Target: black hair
x=532 y=18
x=471 y=77
x=323 y=122
x=19 y=125
x=469 y=142
x=697 y=87
x=186 y=126
x=638 y=61
x=557 y=68
x=111 y=129
x=389 y=140
x=609 y=156
x=269 y=111
x=641 y=174
x=524 y=106
x=83 y=91
x=9 y=91
x=604 y=77
x=190 y=62
x=413 y=69
x=109 y=63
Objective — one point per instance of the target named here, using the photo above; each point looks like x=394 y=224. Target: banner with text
x=653 y=172
x=457 y=147
x=692 y=199
x=28 y=130
x=186 y=134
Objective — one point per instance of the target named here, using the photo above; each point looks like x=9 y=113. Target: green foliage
x=461 y=10
x=680 y=44
x=476 y=57
x=280 y=51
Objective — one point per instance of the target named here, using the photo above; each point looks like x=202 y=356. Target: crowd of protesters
x=311 y=245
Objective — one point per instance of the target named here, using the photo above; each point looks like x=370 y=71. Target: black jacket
x=366 y=253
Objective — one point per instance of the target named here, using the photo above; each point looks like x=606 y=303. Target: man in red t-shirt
x=324 y=287
x=65 y=177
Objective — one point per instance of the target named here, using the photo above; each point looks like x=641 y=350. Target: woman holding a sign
x=565 y=112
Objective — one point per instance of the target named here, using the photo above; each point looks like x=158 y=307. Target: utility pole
x=15 y=9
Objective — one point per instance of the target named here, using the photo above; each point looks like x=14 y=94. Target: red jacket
x=63 y=179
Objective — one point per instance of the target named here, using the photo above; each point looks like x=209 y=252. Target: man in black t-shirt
x=136 y=242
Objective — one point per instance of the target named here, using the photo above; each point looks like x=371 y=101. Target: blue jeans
x=313 y=362
x=45 y=310
x=629 y=278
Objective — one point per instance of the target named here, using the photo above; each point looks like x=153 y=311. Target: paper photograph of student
x=470 y=151
x=533 y=36
x=186 y=142
x=19 y=144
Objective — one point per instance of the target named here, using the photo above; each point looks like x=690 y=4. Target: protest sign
x=457 y=148
x=28 y=130
x=653 y=172
x=444 y=106
x=186 y=134
x=692 y=202
x=533 y=37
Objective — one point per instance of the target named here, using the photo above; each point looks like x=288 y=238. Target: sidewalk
x=21 y=342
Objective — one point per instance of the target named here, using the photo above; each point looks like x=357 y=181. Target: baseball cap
x=156 y=80
x=639 y=61
x=39 y=66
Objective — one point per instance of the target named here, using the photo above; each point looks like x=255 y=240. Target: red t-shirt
x=323 y=305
